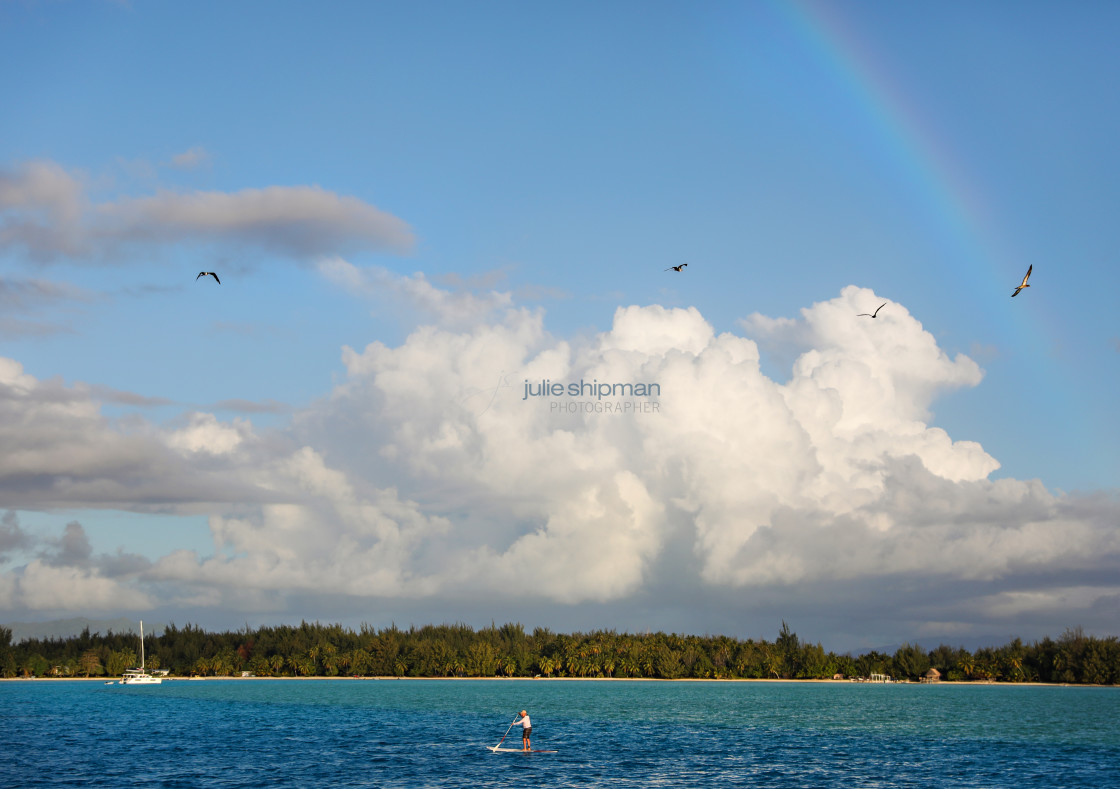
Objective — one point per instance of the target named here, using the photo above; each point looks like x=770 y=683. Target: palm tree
x=1016 y=668
x=773 y=664
x=329 y=657
x=359 y=661
x=345 y=660
x=304 y=665
x=968 y=666
x=119 y=661
x=259 y=666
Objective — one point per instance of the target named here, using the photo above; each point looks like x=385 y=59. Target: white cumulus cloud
x=437 y=471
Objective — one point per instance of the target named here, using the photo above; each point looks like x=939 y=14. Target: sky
x=438 y=226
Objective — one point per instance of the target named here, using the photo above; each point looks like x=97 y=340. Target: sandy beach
x=976 y=683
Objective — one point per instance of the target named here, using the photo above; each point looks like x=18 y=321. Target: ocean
x=435 y=733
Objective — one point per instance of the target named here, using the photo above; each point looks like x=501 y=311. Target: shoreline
x=954 y=683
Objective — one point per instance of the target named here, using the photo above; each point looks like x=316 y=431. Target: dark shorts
x=526 y=732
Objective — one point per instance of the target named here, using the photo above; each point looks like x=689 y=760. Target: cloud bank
x=433 y=476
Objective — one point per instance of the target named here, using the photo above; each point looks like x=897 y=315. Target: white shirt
x=525 y=724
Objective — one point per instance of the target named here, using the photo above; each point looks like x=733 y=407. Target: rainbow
x=979 y=254
x=958 y=209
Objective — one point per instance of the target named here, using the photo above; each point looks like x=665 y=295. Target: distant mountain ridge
x=69 y=628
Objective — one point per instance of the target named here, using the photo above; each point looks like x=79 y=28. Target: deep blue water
x=421 y=733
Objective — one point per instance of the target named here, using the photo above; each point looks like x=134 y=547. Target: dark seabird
x=872 y=314
x=676 y=268
x=208 y=274
x=1023 y=284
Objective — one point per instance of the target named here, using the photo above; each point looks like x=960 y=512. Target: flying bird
x=872 y=314
x=1023 y=284
x=676 y=268
x=208 y=274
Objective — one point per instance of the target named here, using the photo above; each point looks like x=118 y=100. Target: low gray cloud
x=61 y=452
x=252 y=406
x=107 y=394
x=41 y=210
x=46 y=212
x=15 y=327
x=72 y=549
x=35 y=294
x=66 y=575
x=12 y=535
x=191 y=159
x=301 y=221
x=38 y=307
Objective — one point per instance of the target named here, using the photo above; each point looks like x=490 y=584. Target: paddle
x=499 y=745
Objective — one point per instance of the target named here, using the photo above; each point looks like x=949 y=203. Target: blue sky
x=512 y=179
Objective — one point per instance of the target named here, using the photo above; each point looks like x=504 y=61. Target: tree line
x=318 y=650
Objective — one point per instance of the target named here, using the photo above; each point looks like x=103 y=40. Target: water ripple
x=280 y=734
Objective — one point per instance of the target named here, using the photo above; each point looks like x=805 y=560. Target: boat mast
x=141 y=645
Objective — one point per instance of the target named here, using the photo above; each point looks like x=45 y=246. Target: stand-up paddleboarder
x=526 y=730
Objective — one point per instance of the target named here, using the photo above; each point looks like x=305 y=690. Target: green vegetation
x=316 y=650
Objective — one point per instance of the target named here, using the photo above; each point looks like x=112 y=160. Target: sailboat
x=138 y=676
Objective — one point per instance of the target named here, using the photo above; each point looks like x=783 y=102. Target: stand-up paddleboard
x=499 y=749
x=496 y=749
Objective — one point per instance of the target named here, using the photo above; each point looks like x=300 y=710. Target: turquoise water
x=410 y=733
